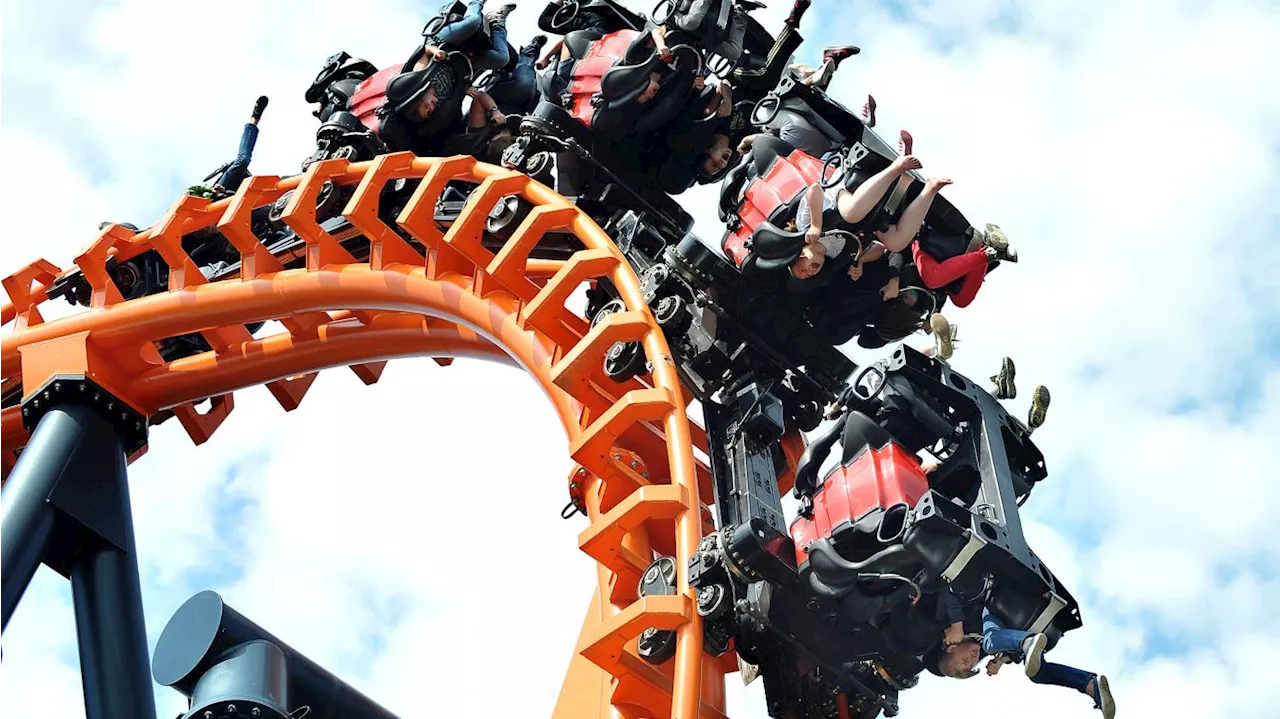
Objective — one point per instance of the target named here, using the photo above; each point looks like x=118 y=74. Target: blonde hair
x=804 y=71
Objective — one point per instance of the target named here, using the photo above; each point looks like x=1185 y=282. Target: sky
x=405 y=535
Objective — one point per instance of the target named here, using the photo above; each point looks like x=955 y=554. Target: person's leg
x=908 y=225
x=972 y=266
x=496 y=56
x=854 y=206
x=996 y=639
x=767 y=76
x=459 y=31
x=1060 y=675
x=238 y=170
x=731 y=47
x=831 y=59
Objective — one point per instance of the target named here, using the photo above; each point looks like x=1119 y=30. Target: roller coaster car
x=846 y=601
x=747 y=201
x=561 y=145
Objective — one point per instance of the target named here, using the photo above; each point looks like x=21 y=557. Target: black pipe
x=27 y=523
x=67 y=504
x=205 y=633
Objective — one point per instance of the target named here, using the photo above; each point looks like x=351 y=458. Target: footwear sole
x=1039 y=406
x=942 y=335
x=1105 y=702
x=1007 y=375
x=1036 y=654
x=996 y=237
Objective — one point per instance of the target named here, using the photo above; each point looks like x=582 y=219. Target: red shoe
x=797 y=12
x=869 y=112
x=839 y=53
x=904 y=143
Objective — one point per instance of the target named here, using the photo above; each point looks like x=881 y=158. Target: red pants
x=972 y=266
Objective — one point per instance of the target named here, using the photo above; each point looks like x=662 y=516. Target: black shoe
x=498 y=16
x=1005 y=387
x=536 y=44
x=258 y=108
x=750 y=5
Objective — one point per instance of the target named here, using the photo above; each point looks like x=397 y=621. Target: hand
x=497 y=117
x=855 y=271
x=439 y=54
x=812 y=235
x=929 y=465
x=890 y=290
x=832 y=411
x=665 y=54
x=745 y=146
x=993 y=666
x=907 y=162
x=699 y=83
x=473 y=92
x=953 y=635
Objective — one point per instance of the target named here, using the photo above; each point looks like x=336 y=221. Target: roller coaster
x=374 y=253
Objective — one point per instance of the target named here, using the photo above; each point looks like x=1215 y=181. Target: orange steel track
x=636 y=478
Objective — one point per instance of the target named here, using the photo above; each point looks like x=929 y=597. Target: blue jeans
x=458 y=32
x=238 y=170
x=996 y=639
x=519 y=88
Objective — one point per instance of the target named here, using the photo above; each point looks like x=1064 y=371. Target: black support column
x=67 y=504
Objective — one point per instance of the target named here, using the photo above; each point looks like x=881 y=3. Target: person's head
x=499 y=143
x=812 y=257
x=898 y=318
x=959 y=661
x=422 y=108
x=803 y=72
x=716 y=158
x=651 y=90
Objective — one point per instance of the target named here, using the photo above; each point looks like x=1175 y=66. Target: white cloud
x=404 y=535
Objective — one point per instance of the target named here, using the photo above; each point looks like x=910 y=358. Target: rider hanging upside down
x=719 y=26
x=963 y=646
x=461 y=32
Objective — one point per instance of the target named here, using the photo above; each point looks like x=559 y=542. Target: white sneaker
x=1035 y=653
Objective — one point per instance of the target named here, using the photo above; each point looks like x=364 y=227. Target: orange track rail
x=637 y=476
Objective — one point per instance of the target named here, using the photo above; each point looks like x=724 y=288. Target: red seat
x=588 y=71
x=370 y=95
x=785 y=180
x=873 y=481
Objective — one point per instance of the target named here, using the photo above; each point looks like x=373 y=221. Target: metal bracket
x=79 y=389
x=1046 y=617
x=967 y=552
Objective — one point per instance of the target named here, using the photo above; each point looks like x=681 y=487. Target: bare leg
x=900 y=235
x=822 y=77
x=855 y=205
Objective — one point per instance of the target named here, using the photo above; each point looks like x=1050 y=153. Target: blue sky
x=1127 y=147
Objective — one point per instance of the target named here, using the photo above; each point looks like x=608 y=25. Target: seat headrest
x=407 y=88
x=770 y=241
x=343 y=121
x=626 y=82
